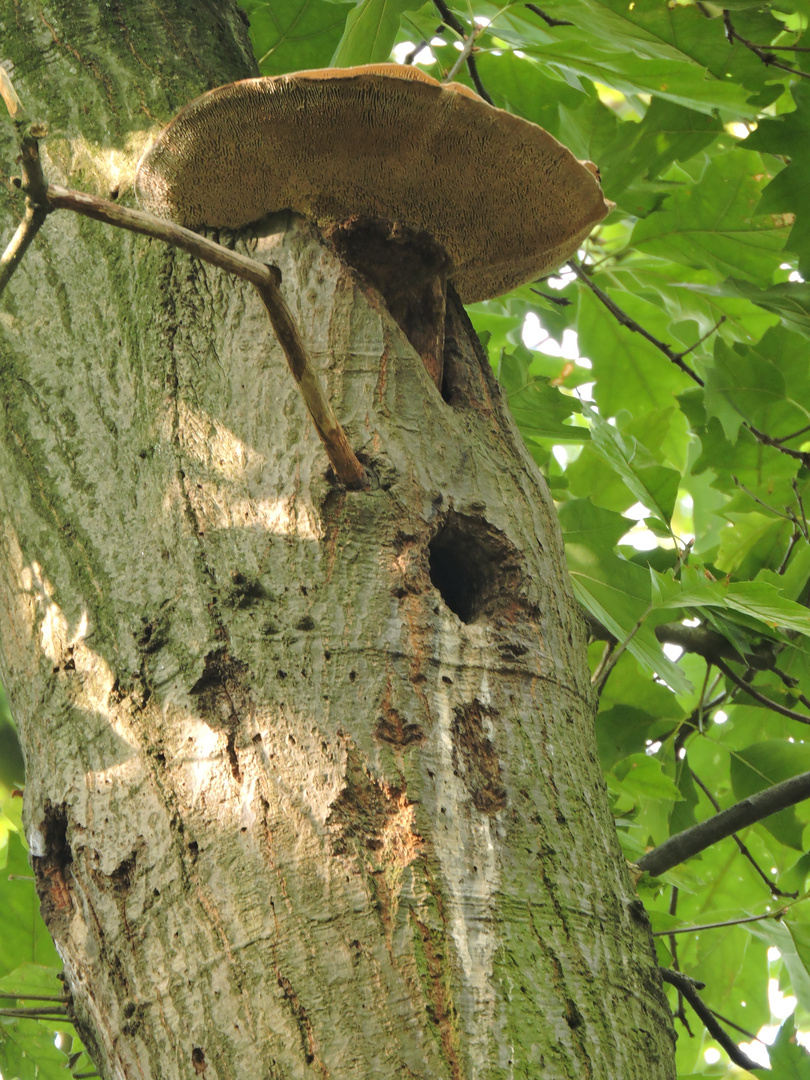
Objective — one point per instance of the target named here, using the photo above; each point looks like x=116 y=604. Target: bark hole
x=473 y=567
x=52 y=869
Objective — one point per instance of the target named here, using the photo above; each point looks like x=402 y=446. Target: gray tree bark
x=312 y=788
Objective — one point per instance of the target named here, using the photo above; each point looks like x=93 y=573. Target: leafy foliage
x=677 y=451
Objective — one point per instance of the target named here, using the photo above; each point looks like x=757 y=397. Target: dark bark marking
x=221 y=691
x=304 y=1024
x=391 y=728
x=440 y=1009
x=475 y=758
x=374 y=817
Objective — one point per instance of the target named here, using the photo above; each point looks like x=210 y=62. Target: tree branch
x=677 y=358
x=42 y=200
x=547 y=19
x=630 y=324
x=718 y=925
x=763 y=52
x=689 y=988
x=450 y=20
x=743 y=848
x=769 y=703
x=684 y=845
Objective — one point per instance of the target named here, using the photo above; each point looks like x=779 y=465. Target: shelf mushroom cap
x=506 y=200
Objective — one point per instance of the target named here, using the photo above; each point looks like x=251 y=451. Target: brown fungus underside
x=505 y=199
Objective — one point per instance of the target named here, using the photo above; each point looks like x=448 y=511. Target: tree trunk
x=312 y=788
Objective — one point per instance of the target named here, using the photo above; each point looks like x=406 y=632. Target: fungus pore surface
x=505 y=199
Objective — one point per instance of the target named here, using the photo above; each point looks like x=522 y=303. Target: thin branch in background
x=800 y=502
x=547 y=19
x=786 y=514
x=630 y=324
x=677 y=358
x=692 y=841
x=743 y=1031
x=689 y=988
x=423 y=44
x=795 y=434
x=744 y=851
x=704 y=337
x=560 y=301
x=611 y=661
x=412 y=55
x=783 y=710
x=465 y=54
x=769 y=440
x=596 y=678
x=38 y=1014
x=776 y=915
x=764 y=53
x=31 y=997
x=679 y=1012
x=450 y=20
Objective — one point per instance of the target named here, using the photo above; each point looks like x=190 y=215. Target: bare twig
x=783 y=710
x=412 y=55
x=547 y=19
x=20 y=241
x=31 y=997
x=769 y=440
x=764 y=52
x=625 y=320
x=777 y=915
x=9 y=96
x=692 y=841
x=689 y=988
x=746 y=854
x=38 y=1014
x=265 y=280
x=449 y=19
x=465 y=54
x=42 y=199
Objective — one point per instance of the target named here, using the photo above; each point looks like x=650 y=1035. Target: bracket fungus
x=415 y=182
x=505 y=199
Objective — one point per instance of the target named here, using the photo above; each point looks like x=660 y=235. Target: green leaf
x=539 y=409
x=762 y=765
x=715 y=225
x=759 y=600
x=641 y=775
x=766 y=386
x=655 y=486
x=790 y=301
x=789 y=192
x=24 y=938
x=293 y=35
x=370 y=33
x=613 y=590
x=789 y=1059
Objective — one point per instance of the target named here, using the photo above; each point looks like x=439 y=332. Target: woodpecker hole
x=474 y=567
